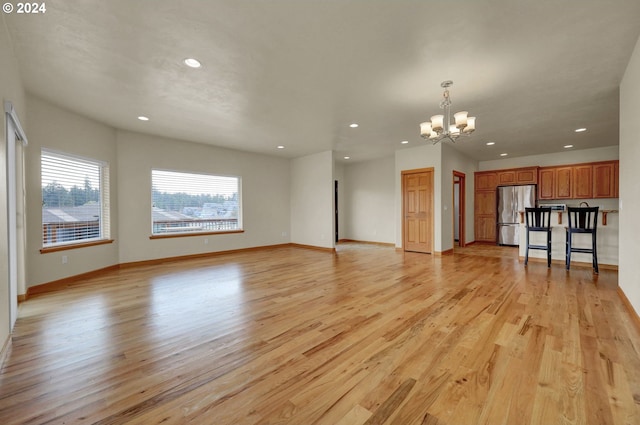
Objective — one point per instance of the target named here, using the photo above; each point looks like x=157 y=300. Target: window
x=75 y=199
x=186 y=203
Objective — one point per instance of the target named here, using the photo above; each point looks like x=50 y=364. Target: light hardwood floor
x=296 y=336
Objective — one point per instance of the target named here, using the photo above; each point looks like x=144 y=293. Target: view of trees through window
x=56 y=195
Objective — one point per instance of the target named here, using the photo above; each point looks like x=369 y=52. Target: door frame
x=402 y=200
x=14 y=134
x=335 y=211
x=461 y=207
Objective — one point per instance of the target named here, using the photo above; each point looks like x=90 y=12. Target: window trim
x=66 y=247
x=171 y=235
x=185 y=234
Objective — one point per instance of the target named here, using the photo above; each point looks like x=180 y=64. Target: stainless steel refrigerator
x=512 y=200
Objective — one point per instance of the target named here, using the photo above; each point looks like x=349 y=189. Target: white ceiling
x=298 y=72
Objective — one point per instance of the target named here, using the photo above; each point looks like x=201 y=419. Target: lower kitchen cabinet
x=485 y=228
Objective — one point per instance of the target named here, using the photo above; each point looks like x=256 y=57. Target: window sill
x=74 y=246
x=182 y=235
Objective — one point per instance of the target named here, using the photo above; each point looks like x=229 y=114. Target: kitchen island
x=607 y=242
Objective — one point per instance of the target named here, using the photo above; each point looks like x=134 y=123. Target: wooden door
x=417 y=205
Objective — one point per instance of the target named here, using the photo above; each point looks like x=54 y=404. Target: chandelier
x=440 y=127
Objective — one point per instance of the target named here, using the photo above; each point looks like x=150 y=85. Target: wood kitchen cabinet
x=486 y=180
x=605 y=180
x=518 y=176
x=555 y=182
x=583 y=181
x=485 y=228
x=486 y=202
x=547 y=183
x=485 y=208
x=579 y=181
x=564 y=179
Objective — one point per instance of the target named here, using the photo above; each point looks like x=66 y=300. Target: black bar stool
x=538 y=220
x=582 y=220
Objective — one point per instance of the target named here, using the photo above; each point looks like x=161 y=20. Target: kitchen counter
x=607 y=240
x=602 y=222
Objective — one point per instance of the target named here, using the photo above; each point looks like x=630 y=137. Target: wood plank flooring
x=290 y=335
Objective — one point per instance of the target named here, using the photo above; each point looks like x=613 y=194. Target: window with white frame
x=75 y=199
x=187 y=203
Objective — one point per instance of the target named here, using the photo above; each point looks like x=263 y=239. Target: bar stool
x=538 y=220
x=582 y=220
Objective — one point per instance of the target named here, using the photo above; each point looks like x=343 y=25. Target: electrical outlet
x=65 y=259
x=206 y=241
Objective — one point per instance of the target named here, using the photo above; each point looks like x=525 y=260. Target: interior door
x=417 y=205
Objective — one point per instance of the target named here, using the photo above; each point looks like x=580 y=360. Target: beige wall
x=573 y=156
x=265 y=195
x=629 y=178
x=312 y=217
x=131 y=156
x=369 y=191
x=55 y=128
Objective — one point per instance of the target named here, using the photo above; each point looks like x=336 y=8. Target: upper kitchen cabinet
x=579 y=181
x=605 y=180
x=518 y=176
x=583 y=181
x=555 y=182
x=486 y=180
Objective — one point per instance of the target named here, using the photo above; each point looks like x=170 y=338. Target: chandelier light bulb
x=461 y=119
x=425 y=128
x=437 y=122
x=471 y=125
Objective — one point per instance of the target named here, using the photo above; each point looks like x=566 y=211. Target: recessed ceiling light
x=504 y=154
x=568 y=146
x=491 y=143
x=354 y=125
x=280 y=147
x=404 y=142
x=580 y=130
x=143 y=118
x=347 y=157
x=192 y=63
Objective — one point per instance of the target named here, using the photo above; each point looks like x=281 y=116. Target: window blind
x=74 y=191
x=191 y=202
